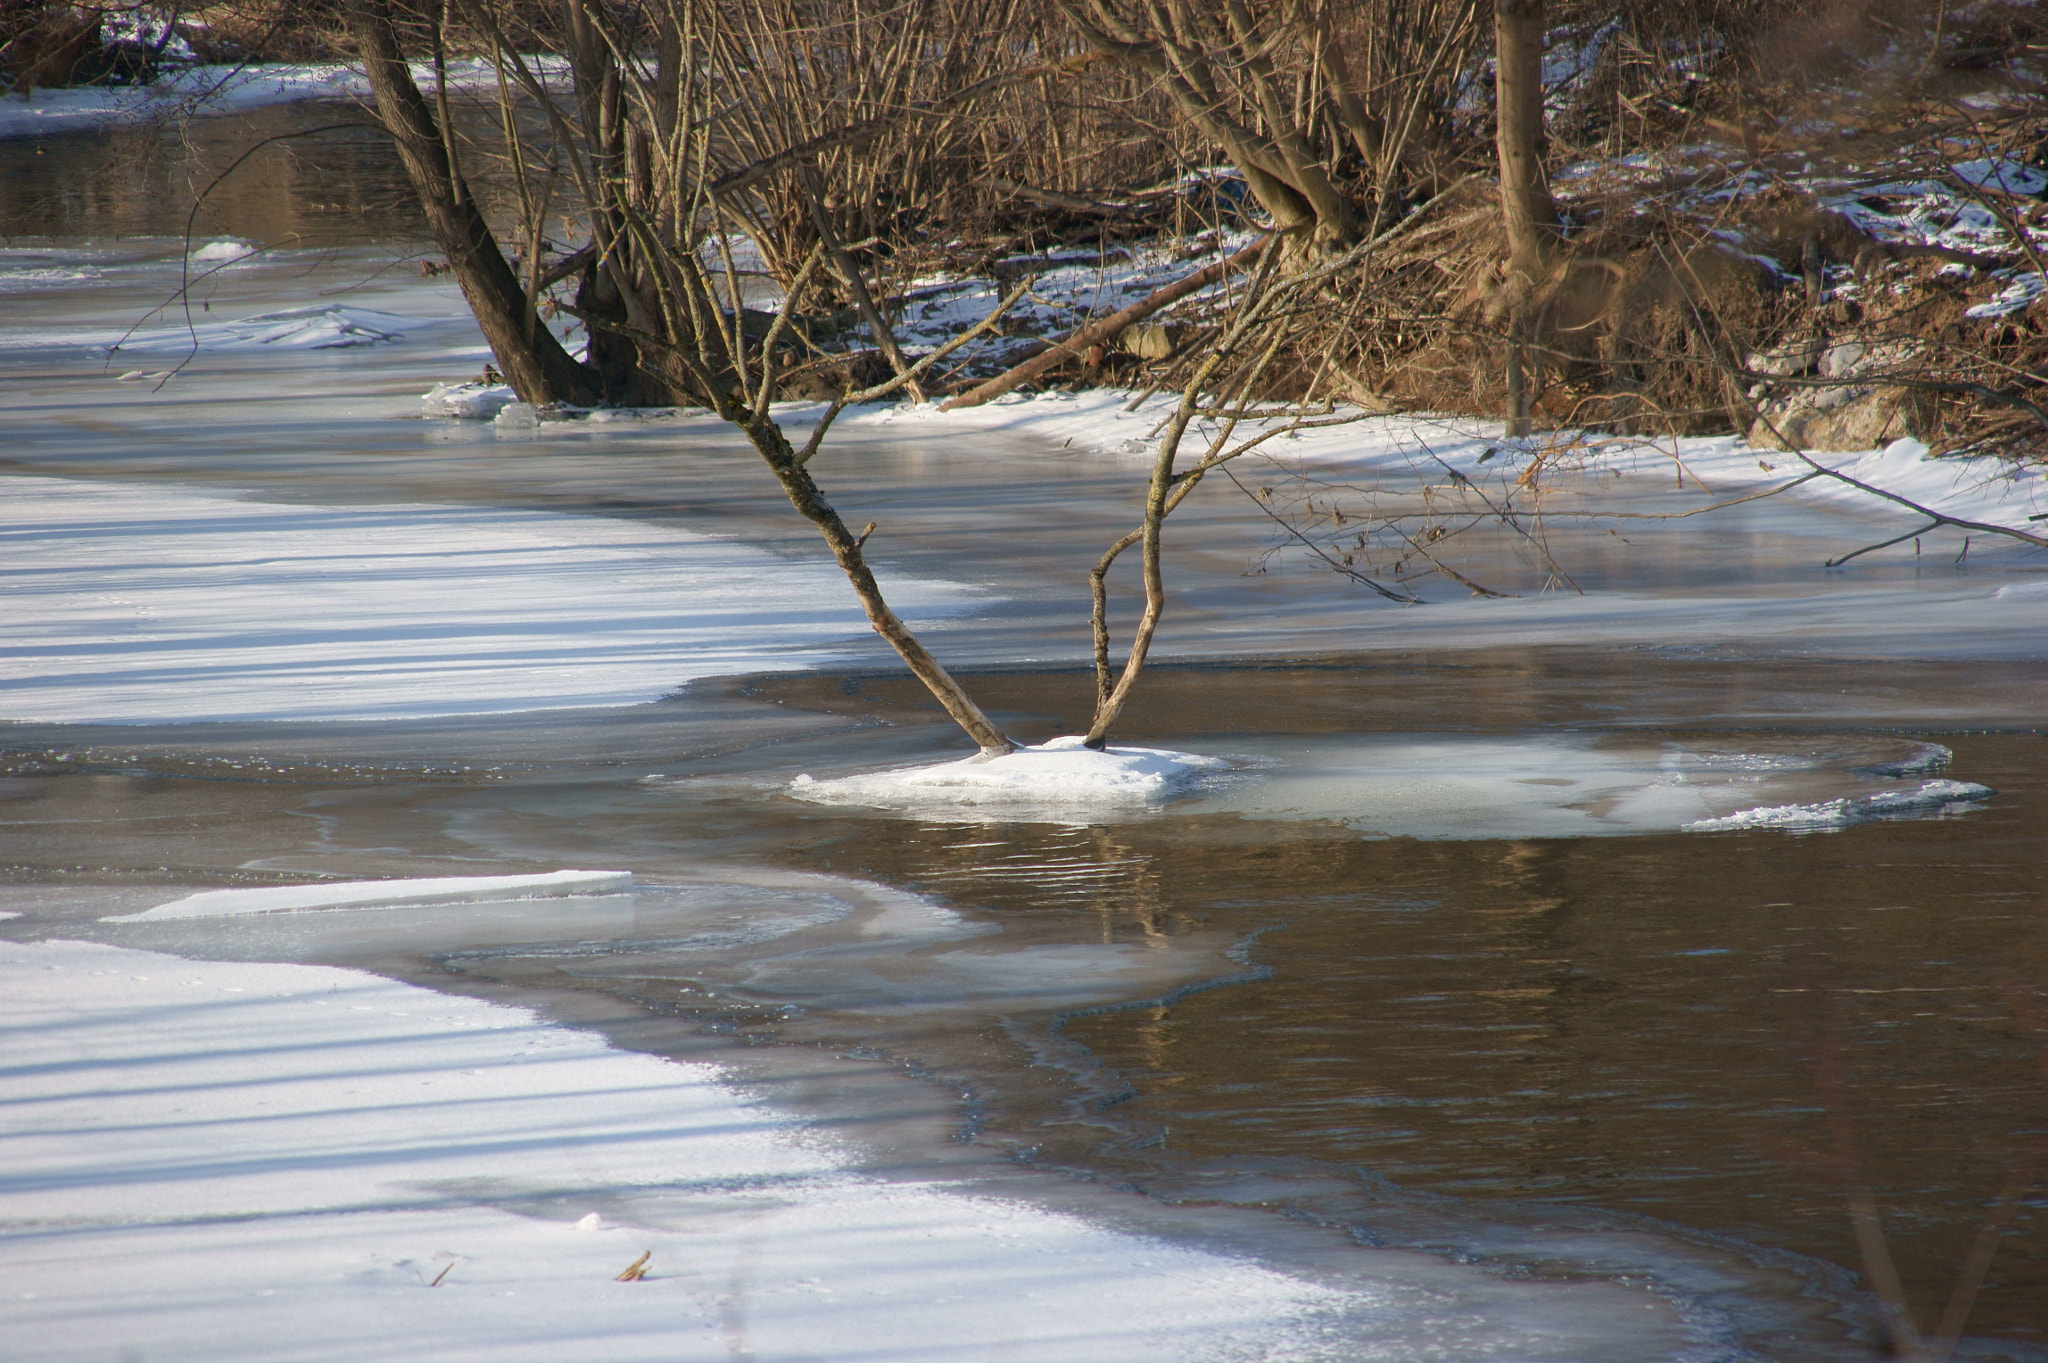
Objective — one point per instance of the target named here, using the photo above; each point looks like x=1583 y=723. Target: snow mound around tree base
x=1059 y=772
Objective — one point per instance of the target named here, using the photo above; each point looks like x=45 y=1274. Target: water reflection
x=327 y=178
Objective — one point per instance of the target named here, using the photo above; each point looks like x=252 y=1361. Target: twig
x=1316 y=549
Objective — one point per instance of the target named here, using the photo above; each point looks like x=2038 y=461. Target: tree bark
x=1528 y=215
x=1527 y=211
x=805 y=496
x=532 y=360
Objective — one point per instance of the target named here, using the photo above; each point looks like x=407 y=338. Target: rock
x=1843 y=360
x=1789 y=360
x=1836 y=418
x=1146 y=340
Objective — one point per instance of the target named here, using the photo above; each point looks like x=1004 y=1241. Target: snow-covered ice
x=137 y=603
x=219 y=89
x=1432 y=785
x=383 y=894
x=1061 y=774
x=230 y=1162
x=322 y=326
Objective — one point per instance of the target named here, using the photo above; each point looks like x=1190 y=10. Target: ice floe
x=200 y=90
x=1432 y=786
x=1931 y=799
x=383 y=894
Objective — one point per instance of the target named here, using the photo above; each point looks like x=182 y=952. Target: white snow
x=2004 y=176
x=275 y=1163
x=383 y=894
x=1059 y=773
x=2016 y=296
x=469 y=401
x=224 y=252
x=138 y=603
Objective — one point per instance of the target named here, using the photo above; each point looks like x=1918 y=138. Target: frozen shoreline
x=216 y=607
x=201 y=90
x=279 y=1162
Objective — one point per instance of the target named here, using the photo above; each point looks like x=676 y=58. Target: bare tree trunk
x=849 y=274
x=805 y=496
x=1527 y=212
x=531 y=359
x=1526 y=208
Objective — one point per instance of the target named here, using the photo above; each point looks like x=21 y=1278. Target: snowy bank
x=135 y=603
x=1389 y=451
x=229 y=1162
x=383 y=894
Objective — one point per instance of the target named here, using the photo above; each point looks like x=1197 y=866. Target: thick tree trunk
x=530 y=358
x=1526 y=208
x=1528 y=215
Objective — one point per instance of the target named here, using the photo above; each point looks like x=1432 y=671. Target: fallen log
x=1105 y=331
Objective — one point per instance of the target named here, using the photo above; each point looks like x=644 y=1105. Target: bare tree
x=528 y=354
x=1331 y=112
x=637 y=129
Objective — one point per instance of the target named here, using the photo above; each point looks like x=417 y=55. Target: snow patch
x=383 y=894
x=468 y=401
x=226 y=251
x=1059 y=773
x=2014 y=297
x=1931 y=798
x=2004 y=176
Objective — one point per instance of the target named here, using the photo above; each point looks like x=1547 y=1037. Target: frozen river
x=1477 y=946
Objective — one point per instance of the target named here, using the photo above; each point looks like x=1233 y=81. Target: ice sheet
x=323 y=326
x=203 y=89
x=136 y=603
x=383 y=894
x=229 y=1162
x=1443 y=785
